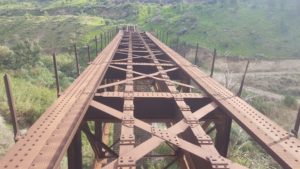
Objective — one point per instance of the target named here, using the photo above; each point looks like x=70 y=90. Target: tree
x=26 y=54
x=6 y=57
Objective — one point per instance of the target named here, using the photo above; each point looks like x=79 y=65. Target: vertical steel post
x=160 y=35
x=75 y=152
x=243 y=80
x=98 y=130
x=56 y=75
x=11 y=105
x=297 y=124
x=77 y=62
x=96 y=45
x=105 y=39
x=98 y=133
x=213 y=63
x=167 y=38
x=110 y=36
x=177 y=43
x=196 y=54
x=223 y=126
x=101 y=42
x=89 y=54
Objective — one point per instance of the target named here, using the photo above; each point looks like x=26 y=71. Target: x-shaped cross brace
x=141 y=150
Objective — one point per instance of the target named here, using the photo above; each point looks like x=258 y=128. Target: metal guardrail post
x=11 y=105
x=56 y=75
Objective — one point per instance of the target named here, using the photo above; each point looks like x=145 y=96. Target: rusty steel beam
x=142 y=64
x=195 y=129
x=127 y=137
x=75 y=152
x=150 y=95
x=93 y=140
x=223 y=127
x=59 y=124
x=189 y=121
x=144 y=148
x=279 y=143
x=156 y=78
x=136 y=82
x=135 y=78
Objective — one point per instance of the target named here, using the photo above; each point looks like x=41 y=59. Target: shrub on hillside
x=30 y=100
x=6 y=56
x=26 y=54
x=290 y=101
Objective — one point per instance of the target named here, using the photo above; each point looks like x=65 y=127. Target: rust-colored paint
x=134 y=68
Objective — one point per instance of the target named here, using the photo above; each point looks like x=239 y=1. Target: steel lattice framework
x=137 y=83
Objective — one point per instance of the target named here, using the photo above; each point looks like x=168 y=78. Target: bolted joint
x=191 y=121
x=126 y=161
x=218 y=162
x=128 y=120
x=127 y=139
x=204 y=140
x=165 y=135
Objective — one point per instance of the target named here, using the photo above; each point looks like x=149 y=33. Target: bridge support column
x=223 y=127
x=75 y=153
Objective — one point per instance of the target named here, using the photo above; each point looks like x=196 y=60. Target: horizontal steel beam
x=149 y=95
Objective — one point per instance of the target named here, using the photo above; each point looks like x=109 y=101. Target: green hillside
x=246 y=28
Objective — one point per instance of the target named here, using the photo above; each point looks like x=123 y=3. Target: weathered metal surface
x=150 y=95
x=48 y=139
x=132 y=79
x=284 y=148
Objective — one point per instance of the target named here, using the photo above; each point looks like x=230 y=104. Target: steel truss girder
x=156 y=78
x=280 y=144
x=144 y=148
x=50 y=137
